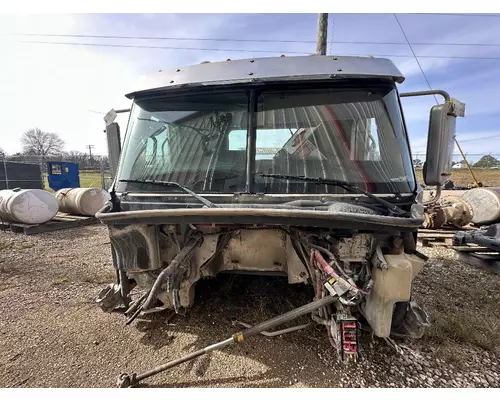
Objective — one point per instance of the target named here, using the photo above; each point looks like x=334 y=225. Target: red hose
x=323 y=264
x=329 y=270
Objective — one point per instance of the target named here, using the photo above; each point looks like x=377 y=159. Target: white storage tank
x=485 y=204
x=27 y=206
x=82 y=201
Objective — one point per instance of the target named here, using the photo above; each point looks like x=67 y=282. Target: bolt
x=339 y=69
x=335 y=58
x=250 y=73
x=252 y=61
x=171 y=81
x=178 y=70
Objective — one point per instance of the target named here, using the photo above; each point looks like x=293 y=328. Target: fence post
x=103 y=184
x=6 y=175
x=40 y=163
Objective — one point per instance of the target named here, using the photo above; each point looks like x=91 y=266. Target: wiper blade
x=343 y=184
x=206 y=202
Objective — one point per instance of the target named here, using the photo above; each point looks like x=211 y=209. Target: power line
x=158 y=47
x=437 y=102
x=461 y=15
x=245 y=40
x=494 y=137
x=414 y=55
x=246 y=50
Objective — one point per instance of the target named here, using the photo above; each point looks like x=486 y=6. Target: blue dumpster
x=63 y=175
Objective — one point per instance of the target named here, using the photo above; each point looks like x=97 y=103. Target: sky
x=68 y=88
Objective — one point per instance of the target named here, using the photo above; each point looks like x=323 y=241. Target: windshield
x=202 y=141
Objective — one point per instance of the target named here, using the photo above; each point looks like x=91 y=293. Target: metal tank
x=485 y=204
x=82 y=201
x=28 y=206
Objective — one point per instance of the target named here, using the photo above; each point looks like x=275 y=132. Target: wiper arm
x=206 y=202
x=343 y=184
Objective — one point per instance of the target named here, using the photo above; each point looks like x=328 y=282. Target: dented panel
x=136 y=247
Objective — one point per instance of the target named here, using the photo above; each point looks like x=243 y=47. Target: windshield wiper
x=343 y=184
x=206 y=202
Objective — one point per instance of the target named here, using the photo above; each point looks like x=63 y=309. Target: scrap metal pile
x=479 y=206
x=476 y=209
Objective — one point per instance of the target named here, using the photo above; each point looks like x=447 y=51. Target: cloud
x=55 y=86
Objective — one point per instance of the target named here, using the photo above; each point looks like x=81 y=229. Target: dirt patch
x=462 y=177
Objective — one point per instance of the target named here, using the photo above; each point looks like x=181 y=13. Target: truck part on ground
x=480 y=206
x=27 y=206
x=82 y=201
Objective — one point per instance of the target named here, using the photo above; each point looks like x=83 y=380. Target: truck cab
x=295 y=166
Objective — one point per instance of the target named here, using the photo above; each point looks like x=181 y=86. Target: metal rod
x=281 y=319
x=427 y=93
x=466 y=162
x=322 y=34
x=275 y=333
x=126 y=380
x=251 y=141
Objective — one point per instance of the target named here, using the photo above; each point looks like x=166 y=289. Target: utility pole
x=322 y=34
x=90 y=147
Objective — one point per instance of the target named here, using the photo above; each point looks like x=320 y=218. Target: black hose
x=174 y=268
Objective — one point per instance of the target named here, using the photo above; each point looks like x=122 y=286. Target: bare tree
x=37 y=142
x=2 y=153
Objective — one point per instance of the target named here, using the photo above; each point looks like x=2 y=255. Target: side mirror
x=114 y=146
x=440 y=142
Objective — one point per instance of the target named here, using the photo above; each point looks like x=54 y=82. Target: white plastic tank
x=485 y=204
x=82 y=201
x=27 y=206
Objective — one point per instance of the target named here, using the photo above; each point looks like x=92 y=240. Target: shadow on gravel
x=289 y=359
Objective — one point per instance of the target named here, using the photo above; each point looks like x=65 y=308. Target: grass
x=60 y=281
x=462 y=303
x=467 y=328
x=87 y=179
x=100 y=278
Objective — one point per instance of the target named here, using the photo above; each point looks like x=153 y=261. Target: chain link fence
x=25 y=175
x=30 y=172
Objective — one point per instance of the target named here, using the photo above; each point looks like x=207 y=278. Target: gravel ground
x=53 y=335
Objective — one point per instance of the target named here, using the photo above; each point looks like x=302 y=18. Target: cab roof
x=267 y=69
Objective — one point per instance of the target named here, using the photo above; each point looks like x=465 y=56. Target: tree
x=40 y=143
x=487 y=162
x=2 y=153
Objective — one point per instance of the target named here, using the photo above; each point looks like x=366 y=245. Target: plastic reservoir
x=28 y=206
x=82 y=201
